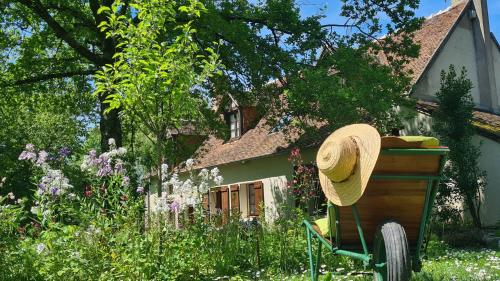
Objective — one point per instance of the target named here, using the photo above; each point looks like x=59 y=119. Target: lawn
x=442 y=263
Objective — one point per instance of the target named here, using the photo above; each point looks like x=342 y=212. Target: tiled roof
x=487 y=124
x=256 y=142
x=259 y=142
x=431 y=35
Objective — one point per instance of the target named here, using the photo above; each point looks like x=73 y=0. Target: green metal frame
x=366 y=257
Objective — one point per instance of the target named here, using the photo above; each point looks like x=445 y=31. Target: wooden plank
x=224 y=195
x=259 y=196
x=383 y=200
x=235 y=199
x=408 y=164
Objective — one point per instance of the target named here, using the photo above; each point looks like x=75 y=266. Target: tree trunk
x=476 y=219
x=110 y=125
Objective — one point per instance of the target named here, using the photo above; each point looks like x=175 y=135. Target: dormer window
x=234 y=124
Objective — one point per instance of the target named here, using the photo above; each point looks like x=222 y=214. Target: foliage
x=153 y=80
x=107 y=241
x=453 y=123
x=304 y=185
x=49 y=122
x=361 y=76
x=48 y=44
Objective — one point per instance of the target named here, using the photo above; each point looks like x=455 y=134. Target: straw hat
x=345 y=162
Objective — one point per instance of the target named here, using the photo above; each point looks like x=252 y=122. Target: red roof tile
x=431 y=35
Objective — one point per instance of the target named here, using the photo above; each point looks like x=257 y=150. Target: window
x=234 y=124
x=255 y=198
x=251 y=199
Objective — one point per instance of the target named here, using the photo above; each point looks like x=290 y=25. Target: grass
x=442 y=263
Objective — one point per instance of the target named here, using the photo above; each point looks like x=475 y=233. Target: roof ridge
x=447 y=9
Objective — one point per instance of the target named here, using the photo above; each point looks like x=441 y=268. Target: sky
x=427 y=8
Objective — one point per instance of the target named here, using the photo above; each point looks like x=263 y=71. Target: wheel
x=390 y=254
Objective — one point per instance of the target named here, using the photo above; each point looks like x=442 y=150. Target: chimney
x=488 y=95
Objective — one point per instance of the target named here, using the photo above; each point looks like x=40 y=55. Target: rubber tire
x=391 y=237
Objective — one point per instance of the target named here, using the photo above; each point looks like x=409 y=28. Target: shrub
x=453 y=123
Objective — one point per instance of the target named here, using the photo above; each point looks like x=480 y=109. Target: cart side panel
x=408 y=164
x=398 y=199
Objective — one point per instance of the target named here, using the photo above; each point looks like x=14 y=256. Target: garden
x=98 y=97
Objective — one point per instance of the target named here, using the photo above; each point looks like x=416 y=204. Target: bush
x=453 y=123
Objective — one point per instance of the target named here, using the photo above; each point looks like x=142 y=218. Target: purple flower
x=55 y=191
x=126 y=181
x=28 y=153
x=140 y=189
x=42 y=158
x=105 y=170
x=174 y=206
x=119 y=167
x=64 y=152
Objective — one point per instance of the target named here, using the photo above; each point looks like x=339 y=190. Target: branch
x=77 y=14
x=124 y=8
x=37 y=7
x=45 y=77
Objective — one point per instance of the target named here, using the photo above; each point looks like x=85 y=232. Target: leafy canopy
x=156 y=77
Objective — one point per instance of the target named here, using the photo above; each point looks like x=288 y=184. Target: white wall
x=496 y=64
x=459 y=50
x=489 y=161
x=274 y=172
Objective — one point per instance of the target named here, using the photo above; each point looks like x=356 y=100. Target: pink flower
x=88 y=191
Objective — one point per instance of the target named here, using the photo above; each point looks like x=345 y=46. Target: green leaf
x=103 y=9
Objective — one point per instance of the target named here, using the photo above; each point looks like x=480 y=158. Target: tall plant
x=453 y=123
x=156 y=74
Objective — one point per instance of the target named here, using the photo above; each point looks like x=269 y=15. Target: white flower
x=218 y=180
x=121 y=151
x=203 y=187
x=11 y=196
x=76 y=255
x=40 y=248
x=112 y=142
x=203 y=174
x=189 y=164
x=162 y=205
x=34 y=210
x=164 y=171
x=19 y=201
x=45 y=214
x=214 y=172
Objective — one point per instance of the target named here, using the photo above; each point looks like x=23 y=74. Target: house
x=254 y=161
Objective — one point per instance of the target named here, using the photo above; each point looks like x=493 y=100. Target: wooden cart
x=389 y=218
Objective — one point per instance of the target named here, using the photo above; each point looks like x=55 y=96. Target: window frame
x=234 y=118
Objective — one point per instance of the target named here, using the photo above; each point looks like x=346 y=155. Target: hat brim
x=349 y=191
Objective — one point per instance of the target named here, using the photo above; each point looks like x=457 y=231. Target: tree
x=453 y=124
x=58 y=121
x=155 y=79
x=50 y=42
x=361 y=75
